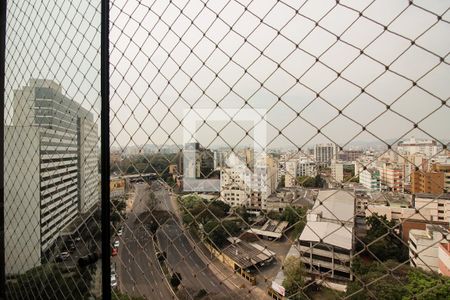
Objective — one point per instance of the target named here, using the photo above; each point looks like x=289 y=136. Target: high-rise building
x=220 y=158
x=435 y=181
x=324 y=153
x=291 y=173
x=412 y=146
x=51 y=170
x=349 y=155
x=198 y=161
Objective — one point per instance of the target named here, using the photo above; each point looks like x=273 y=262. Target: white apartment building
x=306 y=167
x=290 y=176
x=241 y=186
x=370 y=179
x=424 y=246
x=51 y=171
x=324 y=153
x=337 y=171
x=413 y=146
x=326 y=243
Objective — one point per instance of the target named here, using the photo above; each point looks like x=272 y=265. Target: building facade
x=391 y=177
x=337 y=171
x=60 y=171
x=326 y=244
x=306 y=167
x=370 y=179
x=290 y=177
x=413 y=146
x=241 y=186
x=424 y=247
x=324 y=153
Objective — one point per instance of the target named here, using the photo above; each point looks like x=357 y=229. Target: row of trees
x=391 y=281
x=50 y=281
x=311 y=182
x=208 y=218
x=388 y=280
x=146 y=163
x=382 y=240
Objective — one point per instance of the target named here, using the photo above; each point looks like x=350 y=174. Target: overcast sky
x=169 y=56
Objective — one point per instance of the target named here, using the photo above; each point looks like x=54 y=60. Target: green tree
x=427 y=286
x=294 y=276
x=370 y=273
x=383 y=241
x=306 y=181
x=274 y=215
x=242 y=212
x=175 y=280
x=218 y=232
x=319 y=182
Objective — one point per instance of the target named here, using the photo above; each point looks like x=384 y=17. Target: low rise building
x=424 y=246
x=117 y=186
x=272 y=229
x=326 y=243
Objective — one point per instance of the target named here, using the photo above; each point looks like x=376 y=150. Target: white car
x=113 y=281
x=116 y=244
x=62 y=256
x=119 y=232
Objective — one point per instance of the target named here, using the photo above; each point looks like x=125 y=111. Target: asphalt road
x=183 y=258
x=138 y=270
x=137 y=266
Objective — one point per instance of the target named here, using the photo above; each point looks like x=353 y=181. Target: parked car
x=113 y=281
x=62 y=256
x=114 y=252
x=119 y=232
x=116 y=244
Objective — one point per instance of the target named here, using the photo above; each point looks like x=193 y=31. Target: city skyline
x=166 y=100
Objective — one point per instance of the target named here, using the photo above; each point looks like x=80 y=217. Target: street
x=183 y=258
x=139 y=273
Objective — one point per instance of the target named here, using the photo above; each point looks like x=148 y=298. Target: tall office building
x=324 y=154
x=51 y=171
x=198 y=161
